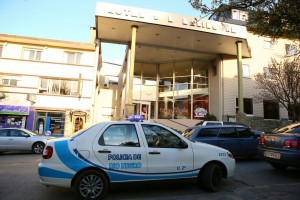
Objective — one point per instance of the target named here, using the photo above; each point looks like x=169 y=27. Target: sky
x=71 y=20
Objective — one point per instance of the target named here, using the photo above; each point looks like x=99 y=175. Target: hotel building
x=176 y=70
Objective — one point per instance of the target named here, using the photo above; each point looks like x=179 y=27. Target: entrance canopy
x=164 y=37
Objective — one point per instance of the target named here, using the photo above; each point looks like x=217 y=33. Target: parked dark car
x=282 y=147
x=239 y=140
x=255 y=131
x=214 y=123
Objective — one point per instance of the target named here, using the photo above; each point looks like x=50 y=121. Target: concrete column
x=157 y=91
x=240 y=77
x=129 y=107
x=191 y=91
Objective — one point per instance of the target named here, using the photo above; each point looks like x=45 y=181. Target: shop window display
x=50 y=123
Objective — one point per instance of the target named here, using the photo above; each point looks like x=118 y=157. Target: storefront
x=50 y=123
x=16 y=117
x=179 y=89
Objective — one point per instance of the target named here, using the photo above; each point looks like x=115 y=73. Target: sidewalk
x=270 y=192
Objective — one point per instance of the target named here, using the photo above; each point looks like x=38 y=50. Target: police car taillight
x=47 y=153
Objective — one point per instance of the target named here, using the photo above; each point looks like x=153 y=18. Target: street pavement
x=253 y=180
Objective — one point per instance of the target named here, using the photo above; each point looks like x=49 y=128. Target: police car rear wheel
x=91 y=184
x=211 y=178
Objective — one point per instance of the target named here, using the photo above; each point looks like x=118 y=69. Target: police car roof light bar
x=135 y=118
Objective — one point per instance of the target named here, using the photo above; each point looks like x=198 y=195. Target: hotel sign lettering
x=200 y=23
x=168 y=19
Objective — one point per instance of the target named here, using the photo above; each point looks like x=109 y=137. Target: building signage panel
x=168 y=19
x=14 y=110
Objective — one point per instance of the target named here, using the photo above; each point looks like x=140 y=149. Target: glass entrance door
x=142 y=108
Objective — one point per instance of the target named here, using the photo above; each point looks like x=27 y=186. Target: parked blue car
x=281 y=148
x=239 y=140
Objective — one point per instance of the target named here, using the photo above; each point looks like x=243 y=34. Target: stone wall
x=260 y=123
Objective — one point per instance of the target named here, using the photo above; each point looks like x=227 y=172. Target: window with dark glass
x=3 y=133
x=271 y=110
x=244 y=132
x=120 y=135
x=208 y=132
x=248 y=105
x=228 y=133
x=295 y=130
x=15 y=133
x=293 y=109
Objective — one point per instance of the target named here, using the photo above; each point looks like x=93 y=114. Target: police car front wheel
x=91 y=184
x=211 y=177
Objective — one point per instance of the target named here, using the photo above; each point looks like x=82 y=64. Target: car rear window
x=288 y=129
x=295 y=130
x=208 y=132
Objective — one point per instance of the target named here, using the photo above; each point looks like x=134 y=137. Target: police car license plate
x=271 y=154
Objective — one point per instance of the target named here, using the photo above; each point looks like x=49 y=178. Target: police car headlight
x=229 y=154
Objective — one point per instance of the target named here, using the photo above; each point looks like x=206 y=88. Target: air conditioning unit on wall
x=104 y=81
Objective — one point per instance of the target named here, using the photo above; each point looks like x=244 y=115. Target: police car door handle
x=154 y=152
x=104 y=151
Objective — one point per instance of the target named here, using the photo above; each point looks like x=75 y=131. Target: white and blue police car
x=111 y=152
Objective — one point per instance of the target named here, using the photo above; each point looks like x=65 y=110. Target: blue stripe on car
x=47 y=172
x=119 y=175
x=77 y=163
x=128 y=177
x=67 y=158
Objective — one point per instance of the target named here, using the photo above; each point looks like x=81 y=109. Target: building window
x=32 y=54
x=271 y=110
x=72 y=57
x=267 y=73
x=268 y=44
x=246 y=70
x=290 y=49
x=239 y=15
x=59 y=87
x=9 y=81
x=270 y=72
x=248 y=106
x=294 y=109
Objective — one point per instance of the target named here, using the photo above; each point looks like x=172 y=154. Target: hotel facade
x=176 y=70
